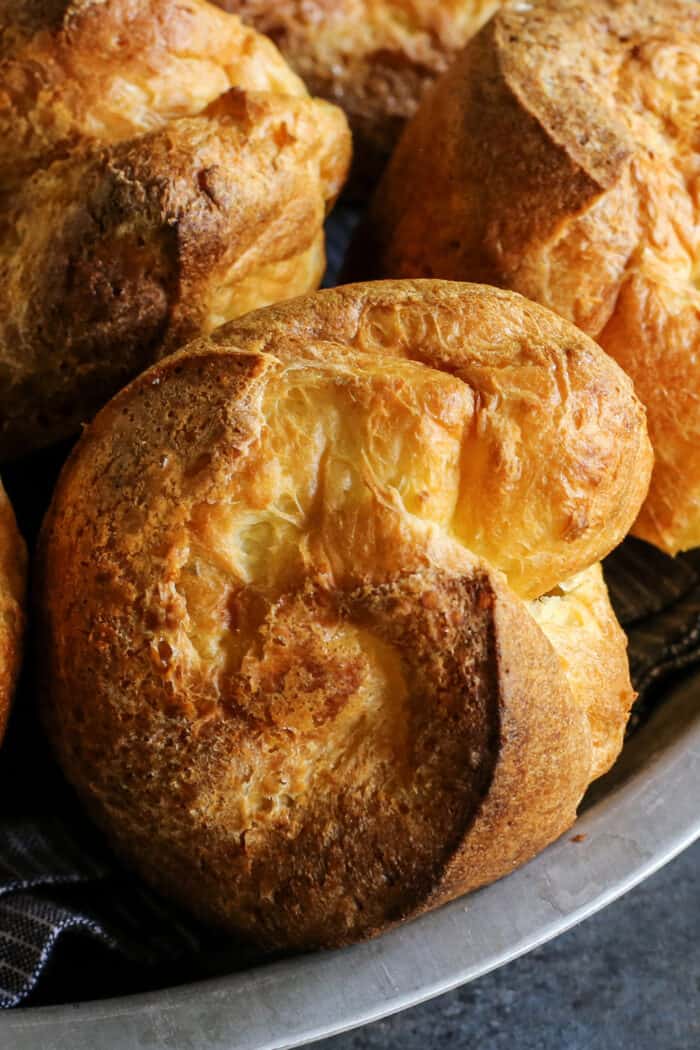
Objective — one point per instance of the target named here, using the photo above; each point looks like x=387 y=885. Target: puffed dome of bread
x=163 y=170
x=559 y=157
x=12 y=583
x=329 y=644
x=374 y=58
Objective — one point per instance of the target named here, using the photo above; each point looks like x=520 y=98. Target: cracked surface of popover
x=163 y=171
x=329 y=643
x=562 y=157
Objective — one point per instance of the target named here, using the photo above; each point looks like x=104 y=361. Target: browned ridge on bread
x=559 y=157
x=13 y=560
x=374 y=58
x=329 y=643
x=162 y=171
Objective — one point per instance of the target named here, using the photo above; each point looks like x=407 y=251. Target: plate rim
x=277 y=1005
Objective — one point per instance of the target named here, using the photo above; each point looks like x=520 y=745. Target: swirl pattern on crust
x=163 y=171
x=562 y=154
x=13 y=560
x=314 y=656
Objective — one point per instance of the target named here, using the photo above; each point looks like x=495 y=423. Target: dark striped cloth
x=55 y=879
x=657 y=600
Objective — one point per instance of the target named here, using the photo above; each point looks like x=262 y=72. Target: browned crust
x=297 y=704
x=560 y=153
x=546 y=399
x=489 y=201
x=120 y=245
x=106 y=70
x=127 y=252
x=13 y=564
x=374 y=58
x=544 y=760
x=581 y=625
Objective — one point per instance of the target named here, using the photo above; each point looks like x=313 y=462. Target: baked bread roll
x=559 y=157
x=107 y=70
x=375 y=58
x=329 y=644
x=12 y=582
x=162 y=171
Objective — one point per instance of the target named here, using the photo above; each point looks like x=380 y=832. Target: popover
x=162 y=171
x=562 y=156
x=329 y=644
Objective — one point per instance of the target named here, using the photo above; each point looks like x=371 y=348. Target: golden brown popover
x=328 y=643
x=162 y=171
x=12 y=582
x=375 y=58
x=559 y=156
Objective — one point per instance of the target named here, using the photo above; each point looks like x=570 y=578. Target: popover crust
x=374 y=58
x=107 y=70
x=561 y=152
x=162 y=171
x=290 y=647
x=13 y=560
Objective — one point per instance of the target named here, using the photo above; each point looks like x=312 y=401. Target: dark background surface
x=626 y=979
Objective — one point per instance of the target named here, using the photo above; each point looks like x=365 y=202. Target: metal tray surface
x=633 y=821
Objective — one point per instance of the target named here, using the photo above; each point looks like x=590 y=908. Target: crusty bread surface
x=107 y=70
x=12 y=583
x=162 y=171
x=374 y=58
x=328 y=644
x=558 y=157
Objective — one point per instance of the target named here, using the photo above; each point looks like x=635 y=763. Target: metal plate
x=634 y=820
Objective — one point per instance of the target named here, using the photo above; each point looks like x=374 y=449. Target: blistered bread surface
x=107 y=70
x=562 y=156
x=163 y=171
x=322 y=648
